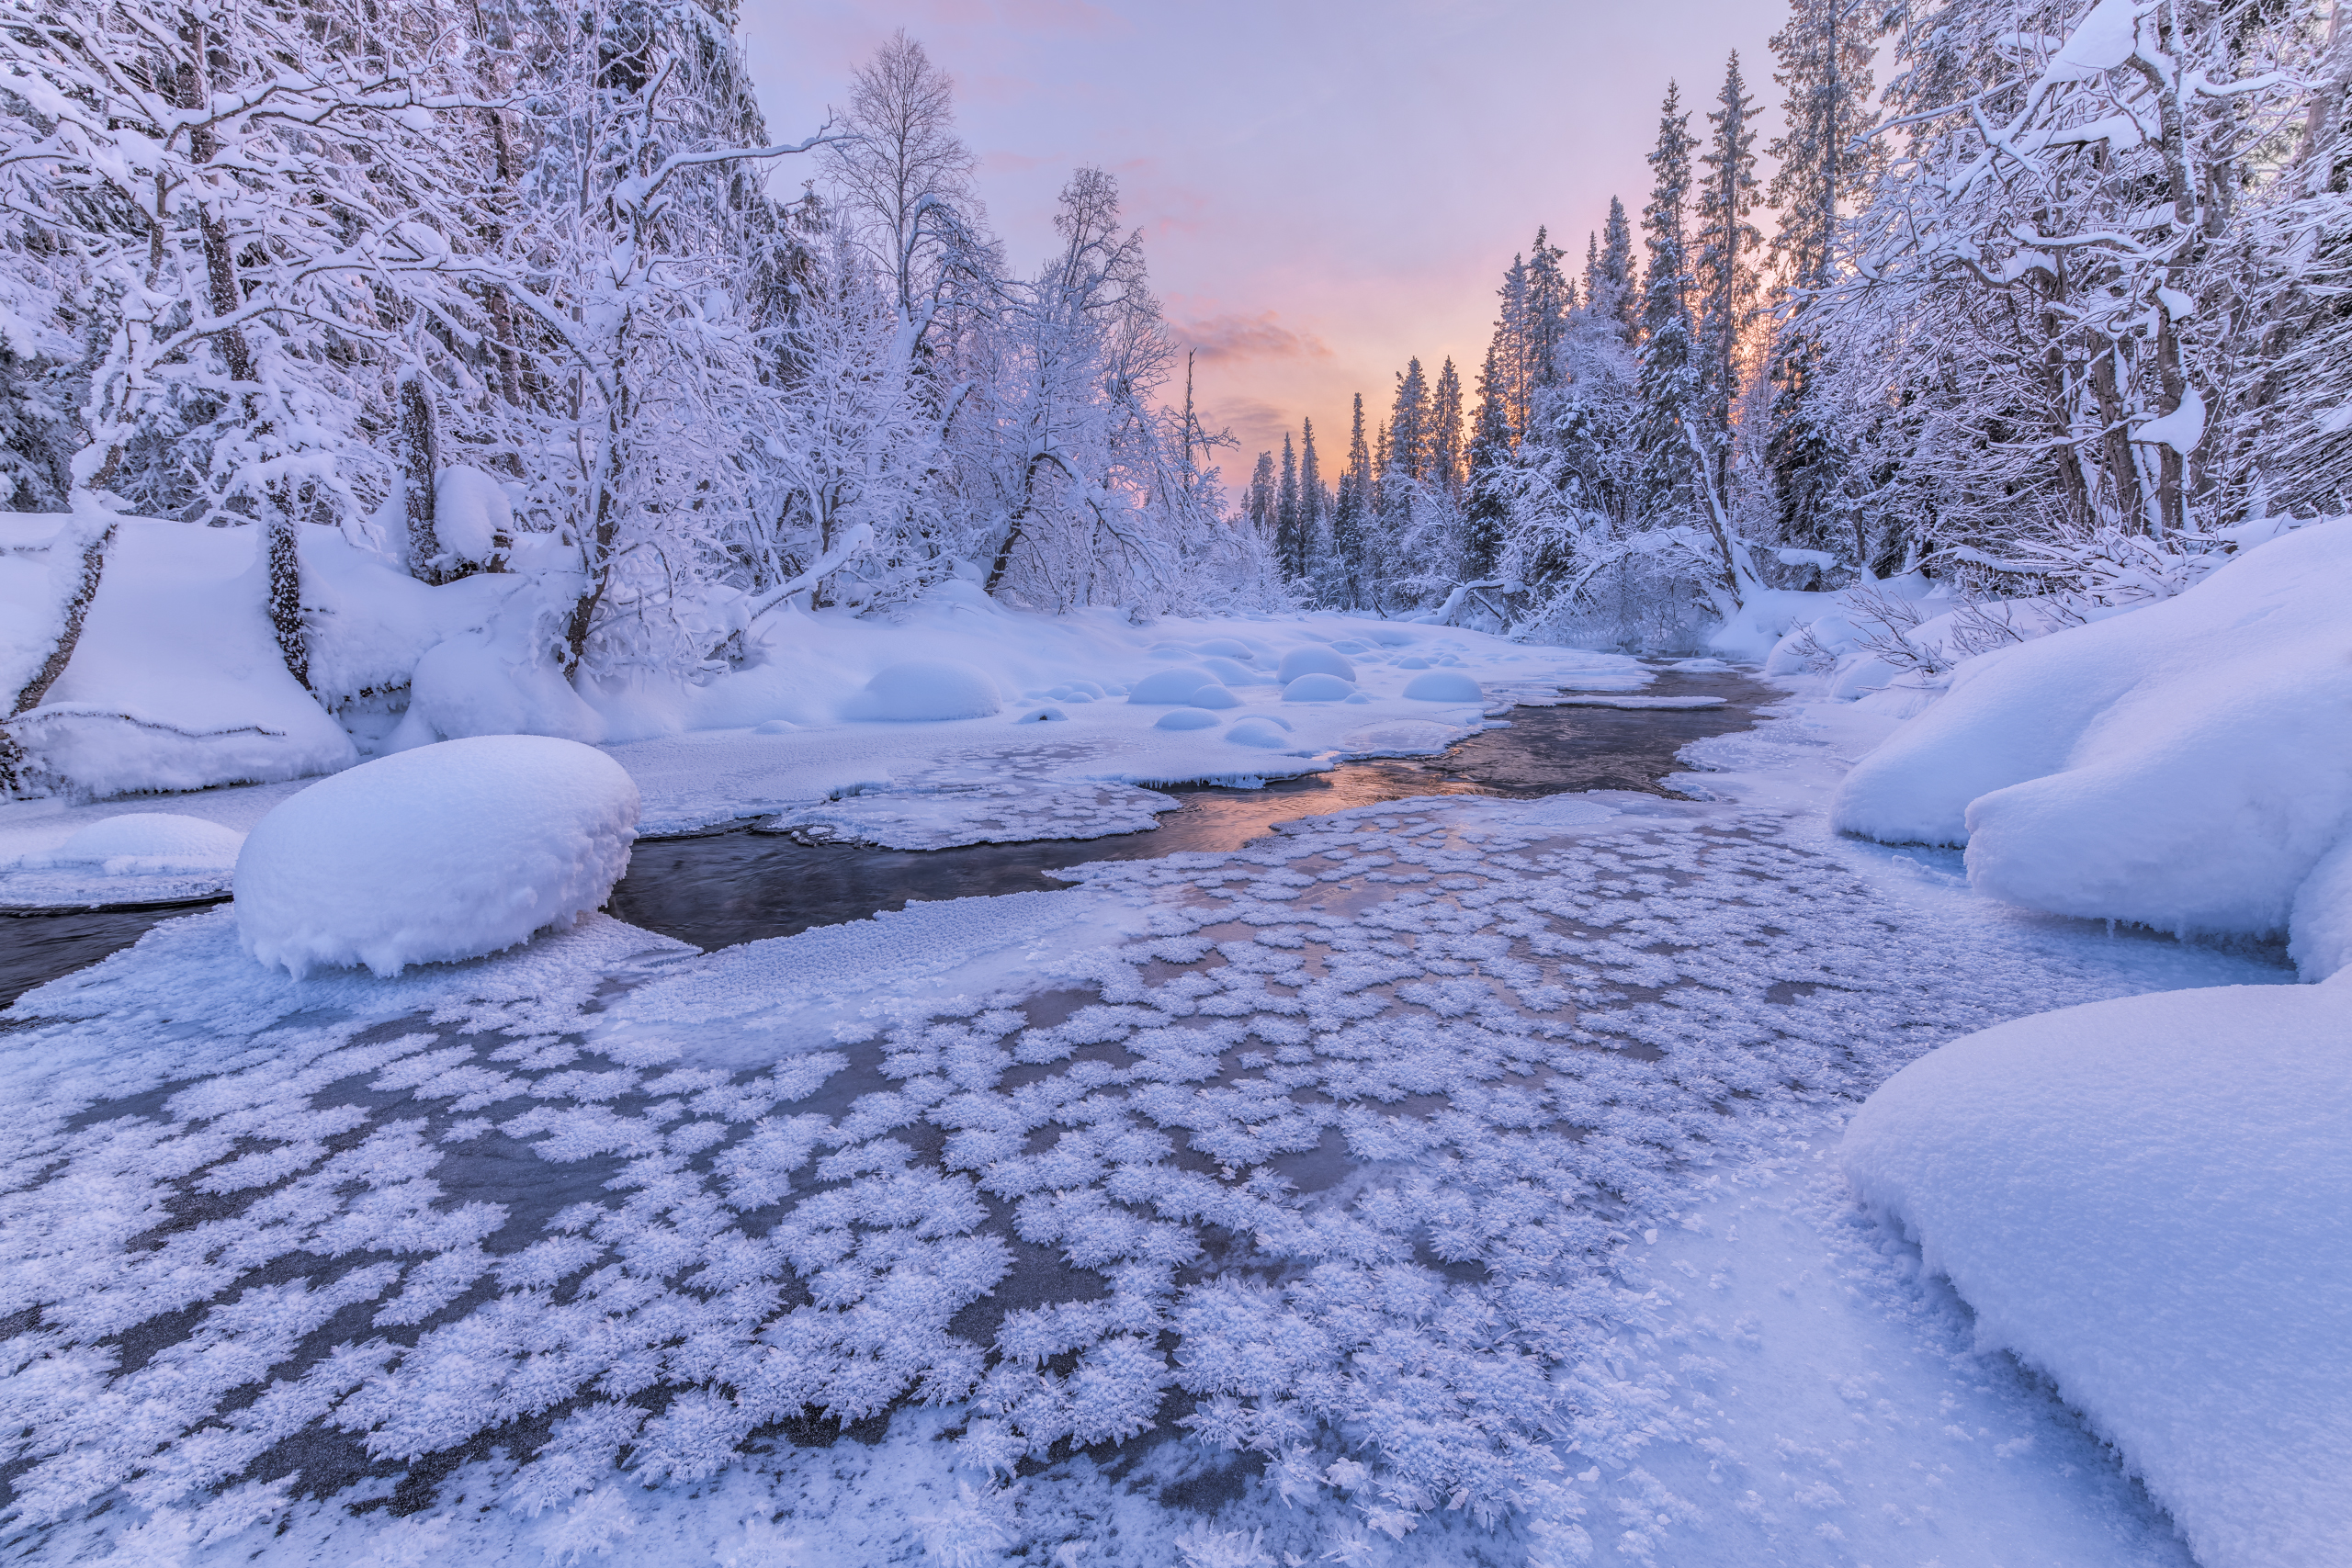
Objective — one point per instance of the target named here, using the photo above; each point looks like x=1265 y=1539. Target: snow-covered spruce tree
x=1260 y=506
x=1290 y=538
x=1446 y=455
x=1313 y=504
x=1348 y=569
x=1669 y=352
x=1724 y=270
x=1486 y=508
x=1826 y=159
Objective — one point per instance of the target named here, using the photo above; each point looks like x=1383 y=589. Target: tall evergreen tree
x=1488 y=461
x=1726 y=276
x=1262 y=502
x=1288 y=545
x=1668 y=371
x=1311 y=496
x=1609 y=282
x=1550 y=296
x=1445 y=428
x=1408 y=424
x=1351 y=518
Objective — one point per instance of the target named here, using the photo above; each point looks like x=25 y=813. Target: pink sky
x=1325 y=189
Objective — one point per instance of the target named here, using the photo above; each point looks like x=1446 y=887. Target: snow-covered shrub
x=2144 y=1199
x=444 y=852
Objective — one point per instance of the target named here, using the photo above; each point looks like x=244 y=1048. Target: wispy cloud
x=1261 y=336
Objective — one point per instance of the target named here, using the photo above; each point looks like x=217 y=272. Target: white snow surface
x=177 y=682
x=2150 y=1199
x=1436 y=1183
x=2186 y=765
x=446 y=853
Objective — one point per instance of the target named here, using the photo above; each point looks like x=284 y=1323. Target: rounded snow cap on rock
x=1314 y=661
x=1318 y=688
x=1214 y=697
x=1225 y=648
x=1171 y=685
x=1186 y=718
x=149 y=841
x=1443 y=686
x=1044 y=716
x=924 y=690
x=1258 y=730
x=446 y=852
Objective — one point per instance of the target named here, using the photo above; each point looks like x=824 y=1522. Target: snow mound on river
x=2147 y=1198
x=147 y=843
x=2185 y=766
x=444 y=852
x=925 y=690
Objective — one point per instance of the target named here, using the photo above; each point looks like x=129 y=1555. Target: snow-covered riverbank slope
x=1445 y=1182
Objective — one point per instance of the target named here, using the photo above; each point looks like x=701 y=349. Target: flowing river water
x=733 y=884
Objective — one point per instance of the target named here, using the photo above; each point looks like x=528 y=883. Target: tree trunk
x=2123 y=470
x=69 y=634
x=286 y=599
x=422 y=450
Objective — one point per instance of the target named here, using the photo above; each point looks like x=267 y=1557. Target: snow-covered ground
x=1446 y=1180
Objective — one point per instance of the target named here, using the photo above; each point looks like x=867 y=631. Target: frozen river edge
x=1695 y=1403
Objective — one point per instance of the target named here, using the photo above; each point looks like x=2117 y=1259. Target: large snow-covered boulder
x=2185 y=766
x=178 y=680
x=2151 y=1201
x=444 y=852
x=925 y=690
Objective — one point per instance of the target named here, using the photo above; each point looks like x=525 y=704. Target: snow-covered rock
x=444 y=852
x=2185 y=766
x=1186 y=718
x=2151 y=1201
x=925 y=690
x=1176 y=685
x=1314 y=660
x=1260 y=730
x=1318 y=688
x=147 y=843
x=1443 y=686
